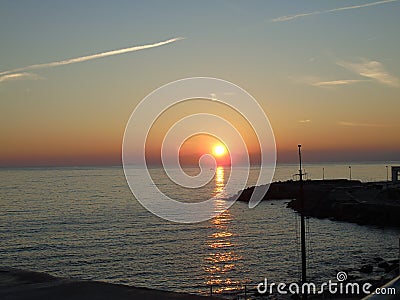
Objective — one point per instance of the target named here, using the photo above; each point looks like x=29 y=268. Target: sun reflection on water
x=222 y=260
x=219 y=182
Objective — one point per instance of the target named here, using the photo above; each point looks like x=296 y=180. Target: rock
x=366 y=269
x=383 y=265
x=393 y=261
x=391 y=268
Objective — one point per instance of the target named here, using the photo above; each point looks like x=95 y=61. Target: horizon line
x=154 y=166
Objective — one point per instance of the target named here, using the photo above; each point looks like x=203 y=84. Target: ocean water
x=85 y=223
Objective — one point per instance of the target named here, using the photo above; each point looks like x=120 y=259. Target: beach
x=19 y=285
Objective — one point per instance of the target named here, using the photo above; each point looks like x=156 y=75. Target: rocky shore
x=372 y=203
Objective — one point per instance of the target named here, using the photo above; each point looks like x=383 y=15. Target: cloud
x=353 y=124
x=304 y=121
x=292 y=17
x=319 y=82
x=82 y=59
x=338 y=82
x=372 y=69
x=23 y=75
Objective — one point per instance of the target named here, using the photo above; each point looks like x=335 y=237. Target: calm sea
x=85 y=223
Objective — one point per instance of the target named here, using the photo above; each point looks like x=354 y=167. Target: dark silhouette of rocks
x=384 y=265
x=366 y=269
x=370 y=203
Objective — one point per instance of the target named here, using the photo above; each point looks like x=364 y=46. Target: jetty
x=365 y=203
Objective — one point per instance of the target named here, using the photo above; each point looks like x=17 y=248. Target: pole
x=387 y=186
x=387 y=173
x=302 y=228
x=323 y=173
x=350 y=172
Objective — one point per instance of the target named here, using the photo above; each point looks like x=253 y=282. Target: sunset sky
x=326 y=73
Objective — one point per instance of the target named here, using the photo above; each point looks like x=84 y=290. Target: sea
x=85 y=223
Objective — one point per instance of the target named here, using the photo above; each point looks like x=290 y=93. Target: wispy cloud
x=338 y=82
x=304 y=121
x=319 y=82
x=371 y=69
x=292 y=17
x=23 y=75
x=355 y=124
x=15 y=73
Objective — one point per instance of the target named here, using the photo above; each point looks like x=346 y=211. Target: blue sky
x=329 y=75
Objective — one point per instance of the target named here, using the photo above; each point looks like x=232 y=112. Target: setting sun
x=219 y=150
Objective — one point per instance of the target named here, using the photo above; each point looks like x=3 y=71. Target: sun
x=219 y=150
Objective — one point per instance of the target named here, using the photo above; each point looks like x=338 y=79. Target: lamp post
x=302 y=228
x=387 y=173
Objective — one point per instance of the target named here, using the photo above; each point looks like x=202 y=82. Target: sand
x=18 y=284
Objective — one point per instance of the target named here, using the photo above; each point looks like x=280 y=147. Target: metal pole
x=302 y=228
x=387 y=186
x=387 y=173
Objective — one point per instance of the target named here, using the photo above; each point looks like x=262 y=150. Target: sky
x=326 y=73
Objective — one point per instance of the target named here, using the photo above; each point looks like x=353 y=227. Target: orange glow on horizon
x=195 y=147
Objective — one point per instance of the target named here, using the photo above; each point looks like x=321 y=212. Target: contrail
x=292 y=17
x=88 y=57
x=19 y=75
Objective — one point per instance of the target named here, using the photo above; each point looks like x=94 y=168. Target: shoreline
x=17 y=284
x=20 y=284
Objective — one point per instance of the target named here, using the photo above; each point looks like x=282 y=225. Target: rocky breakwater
x=371 y=203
